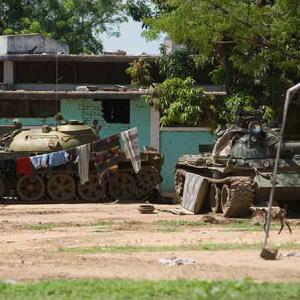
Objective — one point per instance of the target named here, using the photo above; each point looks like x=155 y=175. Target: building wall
x=140 y=117
x=176 y=143
x=89 y=110
x=29 y=121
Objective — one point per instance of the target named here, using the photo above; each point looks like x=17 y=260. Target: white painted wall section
x=30 y=44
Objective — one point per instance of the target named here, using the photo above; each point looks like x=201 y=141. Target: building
x=38 y=78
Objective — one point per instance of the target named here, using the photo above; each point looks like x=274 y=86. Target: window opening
x=116 y=110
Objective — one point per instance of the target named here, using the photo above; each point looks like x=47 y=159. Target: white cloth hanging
x=83 y=153
x=131 y=148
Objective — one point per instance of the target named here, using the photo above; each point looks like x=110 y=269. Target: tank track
x=241 y=197
x=242 y=194
x=142 y=185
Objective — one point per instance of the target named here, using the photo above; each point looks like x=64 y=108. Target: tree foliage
x=183 y=63
x=140 y=73
x=182 y=103
x=247 y=104
x=75 y=22
x=256 y=42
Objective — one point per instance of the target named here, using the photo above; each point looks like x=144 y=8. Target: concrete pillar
x=155 y=128
x=8 y=72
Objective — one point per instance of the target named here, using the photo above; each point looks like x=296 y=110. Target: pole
x=289 y=95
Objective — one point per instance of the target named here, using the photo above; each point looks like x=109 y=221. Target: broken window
x=116 y=110
x=28 y=109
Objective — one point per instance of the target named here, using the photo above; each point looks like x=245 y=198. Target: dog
x=277 y=213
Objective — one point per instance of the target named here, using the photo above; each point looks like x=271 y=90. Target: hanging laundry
x=131 y=148
x=110 y=143
x=39 y=161
x=57 y=159
x=83 y=153
x=72 y=155
x=106 y=156
x=23 y=166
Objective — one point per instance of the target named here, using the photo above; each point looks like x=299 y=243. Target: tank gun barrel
x=289 y=146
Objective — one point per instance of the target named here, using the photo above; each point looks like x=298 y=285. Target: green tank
x=238 y=172
x=61 y=184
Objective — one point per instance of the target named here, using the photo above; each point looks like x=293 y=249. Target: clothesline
x=105 y=153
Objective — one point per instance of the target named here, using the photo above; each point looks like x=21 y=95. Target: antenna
x=56 y=82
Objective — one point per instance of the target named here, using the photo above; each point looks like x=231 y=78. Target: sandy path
x=28 y=254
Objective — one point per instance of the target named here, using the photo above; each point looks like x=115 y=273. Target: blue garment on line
x=58 y=158
x=39 y=161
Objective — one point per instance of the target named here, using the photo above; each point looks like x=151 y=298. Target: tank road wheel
x=30 y=188
x=215 y=198
x=147 y=179
x=179 y=184
x=91 y=191
x=123 y=187
x=237 y=198
x=61 y=187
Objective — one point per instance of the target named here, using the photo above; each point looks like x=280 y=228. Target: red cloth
x=24 y=166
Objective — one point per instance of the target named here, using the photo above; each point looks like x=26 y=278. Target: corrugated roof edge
x=76 y=58
x=51 y=95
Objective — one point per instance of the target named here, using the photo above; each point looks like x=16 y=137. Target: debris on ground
x=211 y=219
x=170 y=262
x=269 y=254
x=146 y=209
x=293 y=254
x=10 y=281
x=180 y=211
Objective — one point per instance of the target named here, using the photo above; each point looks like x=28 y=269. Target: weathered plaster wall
x=89 y=110
x=37 y=43
x=140 y=117
x=29 y=121
x=176 y=143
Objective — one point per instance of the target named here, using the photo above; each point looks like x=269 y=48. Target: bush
x=181 y=103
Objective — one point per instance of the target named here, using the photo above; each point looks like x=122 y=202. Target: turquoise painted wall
x=174 y=144
x=29 y=121
x=89 y=110
x=140 y=117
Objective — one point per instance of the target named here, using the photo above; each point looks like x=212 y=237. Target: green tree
x=256 y=42
x=140 y=73
x=181 y=102
x=75 y=22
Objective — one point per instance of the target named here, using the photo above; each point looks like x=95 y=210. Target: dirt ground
x=37 y=242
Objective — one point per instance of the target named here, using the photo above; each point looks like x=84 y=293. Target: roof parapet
x=30 y=44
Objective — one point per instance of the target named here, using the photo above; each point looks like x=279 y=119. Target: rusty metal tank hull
x=239 y=170
x=61 y=184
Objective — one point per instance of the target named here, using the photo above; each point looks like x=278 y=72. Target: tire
x=237 y=197
x=215 y=199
